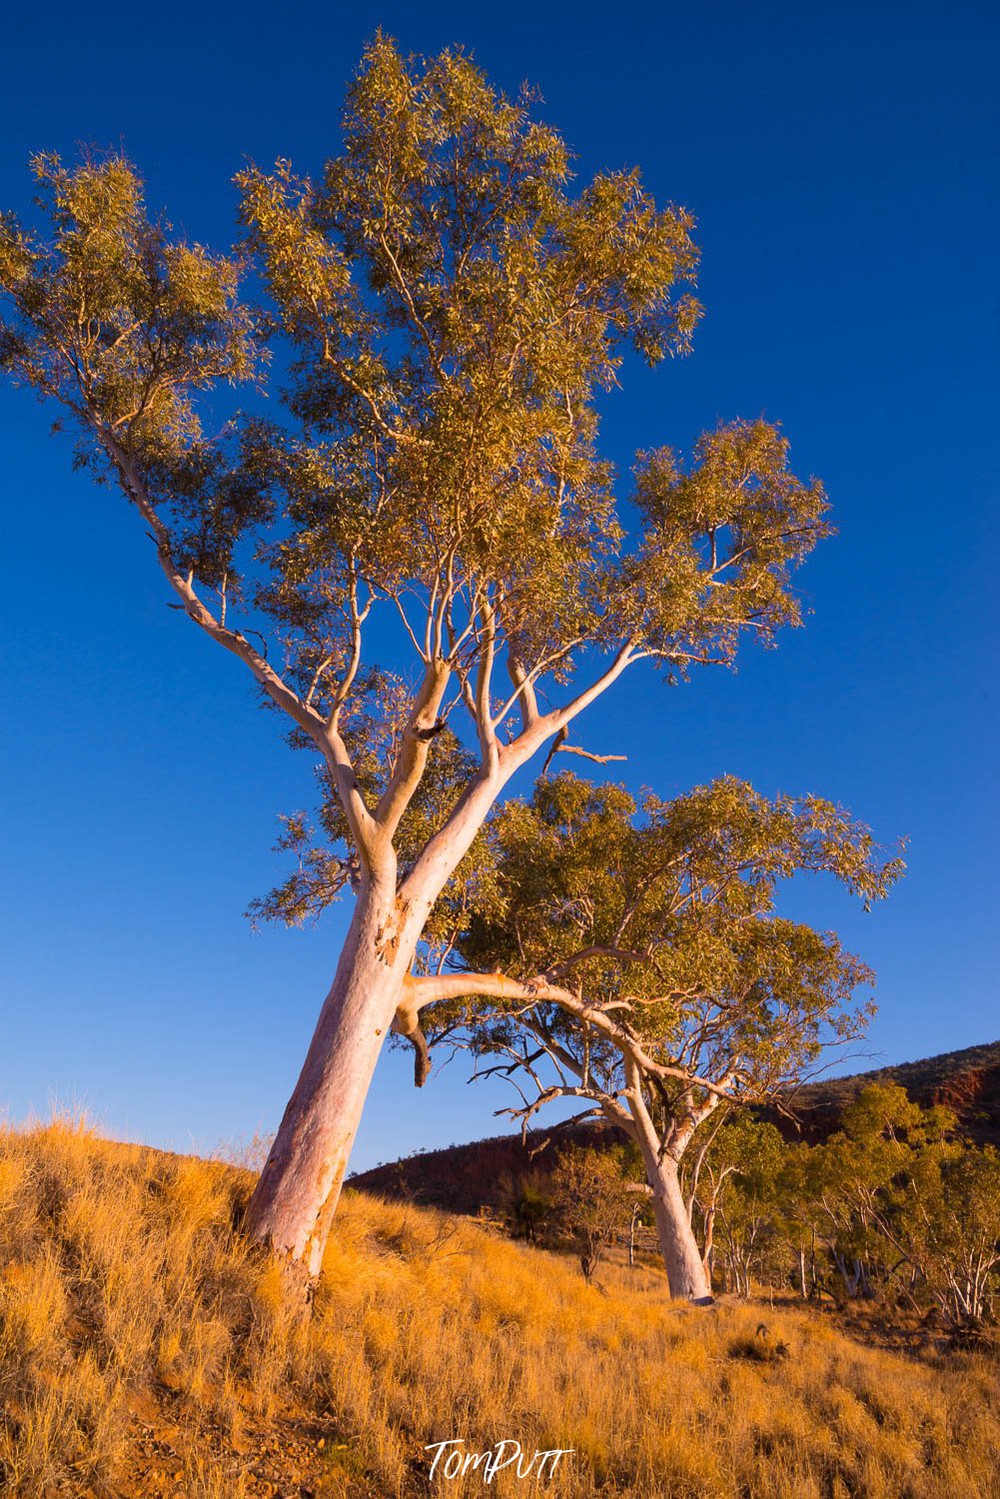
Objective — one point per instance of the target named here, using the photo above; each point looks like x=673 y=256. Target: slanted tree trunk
x=297 y=1194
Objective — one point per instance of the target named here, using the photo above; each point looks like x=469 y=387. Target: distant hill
x=966 y=1081
x=470 y=1178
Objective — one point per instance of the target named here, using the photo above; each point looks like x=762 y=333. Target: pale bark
x=633 y=1224
x=428 y=990
x=686 y=1274
x=708 y=1247
x=297 y=1194
x=293 y=1205
x=296 y=1197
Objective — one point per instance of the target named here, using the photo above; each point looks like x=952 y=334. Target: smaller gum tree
x=633 y=959
x=736 y=1187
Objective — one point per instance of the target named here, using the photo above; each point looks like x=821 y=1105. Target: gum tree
x=637 y=962
x=442 y=308
x=591 y=1199
x=739 y=1195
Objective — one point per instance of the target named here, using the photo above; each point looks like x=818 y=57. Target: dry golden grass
x=145 y=1349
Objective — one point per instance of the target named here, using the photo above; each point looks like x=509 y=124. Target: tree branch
x=530 y=739
x=559 y=746
x=423 y=724
x=323 y=735
x=405 y=1023
x=422 y=990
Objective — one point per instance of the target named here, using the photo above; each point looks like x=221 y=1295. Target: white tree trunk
x=708 y=1249
x=297 y=1195
x=686 y=1274
x=295 y=1200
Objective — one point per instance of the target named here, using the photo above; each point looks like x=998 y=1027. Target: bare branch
x=559 y=746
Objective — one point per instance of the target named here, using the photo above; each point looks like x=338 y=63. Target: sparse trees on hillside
x=444 y=307
x=894 y=1205
x=948 y=1217
x=732 y=1189
x=636 y=963
x=907 y=1198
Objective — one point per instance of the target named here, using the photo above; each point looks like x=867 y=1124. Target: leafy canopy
x=445 y=305
x=651 y=937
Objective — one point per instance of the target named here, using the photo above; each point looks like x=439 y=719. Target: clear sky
x=842 y=163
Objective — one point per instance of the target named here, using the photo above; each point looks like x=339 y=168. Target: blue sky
x=842 y=164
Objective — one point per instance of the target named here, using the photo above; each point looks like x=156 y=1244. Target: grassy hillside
x=145 y=1350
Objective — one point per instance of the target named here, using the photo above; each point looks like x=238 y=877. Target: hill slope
x=147 y=1350
x=967 y=1081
